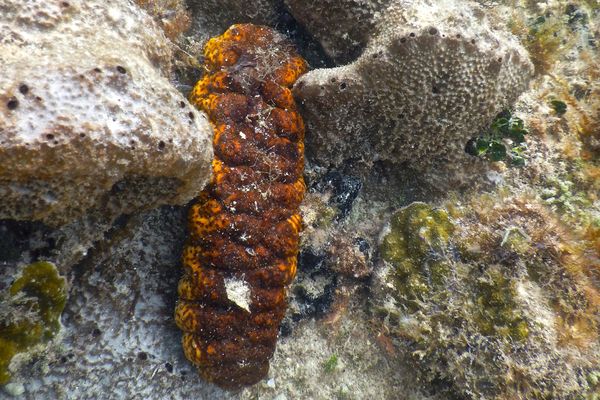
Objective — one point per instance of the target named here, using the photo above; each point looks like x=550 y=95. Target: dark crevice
x=309 y=48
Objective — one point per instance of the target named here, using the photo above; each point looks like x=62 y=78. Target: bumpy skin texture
x=244 y=227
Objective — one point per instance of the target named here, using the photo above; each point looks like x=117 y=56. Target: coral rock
x=431 y=77
x=88 y=118
x=501 y=290
x=418 y=237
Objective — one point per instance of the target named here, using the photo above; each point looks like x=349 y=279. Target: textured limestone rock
x=353 y=20
x=88 y=118
x=431 y=78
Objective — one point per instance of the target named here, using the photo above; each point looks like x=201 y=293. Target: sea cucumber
x=244 y=226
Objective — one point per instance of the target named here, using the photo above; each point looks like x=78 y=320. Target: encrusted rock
x=354 y=21
x=350 y=257
x=88 y=118
x=431 y=78
x=500 y=290
x=30 y=312
x=171 y=15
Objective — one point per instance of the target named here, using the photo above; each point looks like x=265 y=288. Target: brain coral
x=88 y=117
x=434 y=74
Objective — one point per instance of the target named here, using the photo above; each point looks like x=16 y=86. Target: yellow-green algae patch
x=31 y=312
x=423 y=254
x=497 y=311
x=415 y=246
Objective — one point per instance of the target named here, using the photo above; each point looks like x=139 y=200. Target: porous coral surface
x=433 y=74
x=88 y=116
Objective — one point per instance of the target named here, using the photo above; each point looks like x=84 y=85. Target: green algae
x=593 y=380
x=416 y=247
x=504 y=140
x=562 y=196
x=31 y=312
x=331 y=364
x=559 y=107
x=497 y=310
x=7 y=351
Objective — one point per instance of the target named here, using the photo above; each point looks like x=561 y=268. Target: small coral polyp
x=30 y=312
x=244 y=227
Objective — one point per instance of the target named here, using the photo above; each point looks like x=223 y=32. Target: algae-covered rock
x=489 y=304
x=30 y=312
x=416 y=246
x=497 y=311
x=89 y=119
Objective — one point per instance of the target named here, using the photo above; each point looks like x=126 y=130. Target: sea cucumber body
x=244 y=227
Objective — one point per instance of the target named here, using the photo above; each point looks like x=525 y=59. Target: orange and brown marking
x=245 y=225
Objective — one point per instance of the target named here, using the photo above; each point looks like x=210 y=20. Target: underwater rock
x=432 y=76
x=343 y=190
x=495 y=303
x=88 y=116
x=171 y=15
x=212 y=17
x=351 y=257
x=118 y=322
x=30 y=312
x=590 y=134
x=354 y=21
x=119 y=336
